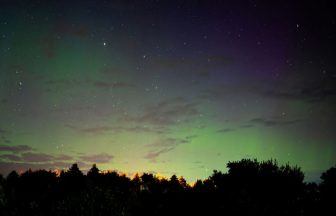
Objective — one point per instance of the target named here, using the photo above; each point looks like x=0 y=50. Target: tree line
x=249 y=187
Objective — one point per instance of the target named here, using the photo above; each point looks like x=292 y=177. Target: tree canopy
x=249 y=187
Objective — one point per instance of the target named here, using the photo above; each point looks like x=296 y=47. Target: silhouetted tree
x=183 y=183
x=2 y=194
x=249 y=187
x=93 y=172
x=148 y=182
x=12 y=177
x=75 y=171
x=174 y=184
x=198 y=186
x=136 y=183
x=328 y=191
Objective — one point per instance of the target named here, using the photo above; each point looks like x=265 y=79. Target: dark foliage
x=248 y=188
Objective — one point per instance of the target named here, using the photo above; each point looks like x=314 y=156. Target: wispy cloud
x=17 y=148
x=11 y=157
x=36 y=157
x=63 y=157
x=116 y=129
x=163 y=146
x=168 y=142
x=168 y=112
x=271 y=122
x=311 y=93
x=97 y=158
x=152 y=155
x=225 y=130
x=35 y=160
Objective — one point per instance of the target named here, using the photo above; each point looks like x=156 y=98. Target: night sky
x=167 y=87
